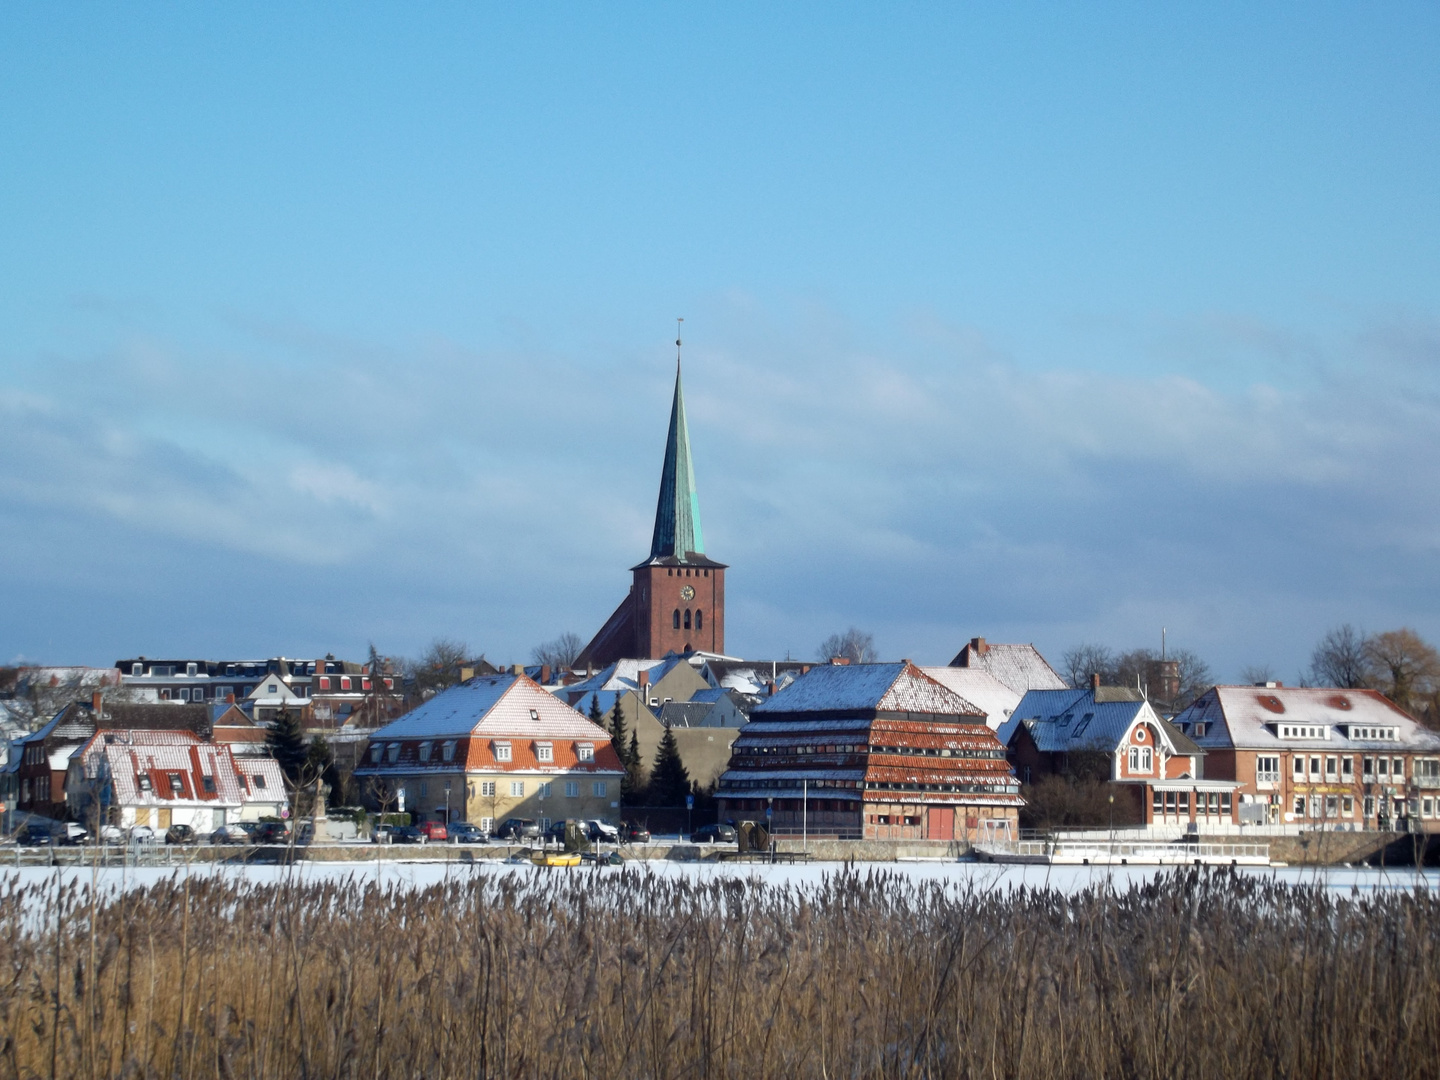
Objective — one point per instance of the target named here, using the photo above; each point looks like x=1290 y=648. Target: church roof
x=677 y=512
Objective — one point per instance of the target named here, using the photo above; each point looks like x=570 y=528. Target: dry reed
x=625 y=974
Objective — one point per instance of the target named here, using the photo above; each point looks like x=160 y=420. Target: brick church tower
x=677 y=597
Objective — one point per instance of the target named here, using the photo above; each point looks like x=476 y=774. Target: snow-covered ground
x=982 y=876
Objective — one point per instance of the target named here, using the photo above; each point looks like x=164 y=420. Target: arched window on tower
x=699 y=620
x=687 y=618
x=676 y=618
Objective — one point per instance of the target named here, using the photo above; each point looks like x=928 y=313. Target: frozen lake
x=980 y=876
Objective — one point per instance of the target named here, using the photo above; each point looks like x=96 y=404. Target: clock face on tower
x=687 y=594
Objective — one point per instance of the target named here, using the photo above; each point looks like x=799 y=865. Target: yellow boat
x=558 y=858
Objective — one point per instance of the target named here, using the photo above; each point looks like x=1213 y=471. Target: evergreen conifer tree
x=596 y=715
x=669 y=782
x=286 y=742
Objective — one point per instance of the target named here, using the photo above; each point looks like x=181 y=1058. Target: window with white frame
x=1314 y=767
x=184 y=694
x=190 y=669
x=585 y=751
x=1299 y=805
x=517 y=788
x=544 y=752
x=487 y=789
x=1347 y=805
x=487 y=824
x=598 y=789
x=1299 y=767
x=572 y=789
x=425 y=750
x=345 y=682
x=502 y=751
x=1347 y=768
x=447 y=750
x=1331 y=768
x=1397 y=770
x=544 y=790
x=392 y=752
x=1267 y=770
x=137 y=669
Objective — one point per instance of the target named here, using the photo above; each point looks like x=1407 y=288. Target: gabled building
x=676 y=602
x=1319 y=757
x=165 y=778
x=879 y=751
x=1157 y=773
x=45 y=755
x=1020 y=667
x=495 y=747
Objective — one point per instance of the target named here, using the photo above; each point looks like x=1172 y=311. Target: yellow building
x=494 y=747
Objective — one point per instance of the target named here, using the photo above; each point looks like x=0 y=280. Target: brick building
x=1319 y=757
x=879 y=751
x=1158 y=775
x=677 y=596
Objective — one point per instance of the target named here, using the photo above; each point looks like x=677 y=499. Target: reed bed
x=625 y=974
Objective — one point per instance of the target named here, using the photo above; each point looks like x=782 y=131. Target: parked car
x=272 y=832
x=632 y=833
x=230 y=834
x=516 y=828
x=407 y=834
x=142 y=834
x=602 y=831
x=112 y=834
x=383 y=834
x=57 y=834
x=713 y=834
x=463 y=832
x=180 y=834
x=434 y=830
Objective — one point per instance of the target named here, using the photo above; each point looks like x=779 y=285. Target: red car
x=434 y=830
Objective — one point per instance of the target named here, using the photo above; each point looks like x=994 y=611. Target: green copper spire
x=677 y=514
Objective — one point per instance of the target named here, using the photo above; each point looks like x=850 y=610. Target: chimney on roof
x=95 y=699
x=230 y=698
x=544 y=674
x=642 y=678
x=804 y=669
x=517 y=669
x=840 y=661
x=771 y=685
x=1095 y=682
x=977 y=644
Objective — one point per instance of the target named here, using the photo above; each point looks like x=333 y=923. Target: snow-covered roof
x=1020 y=667
x=978 y=687
x=158 y=755
x=505 y=704
x=1252 y=718
x=1063 y=720
x=274 y=690
x=623 y=675
x=891 y=687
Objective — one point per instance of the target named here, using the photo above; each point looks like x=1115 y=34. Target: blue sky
x=1051 y=324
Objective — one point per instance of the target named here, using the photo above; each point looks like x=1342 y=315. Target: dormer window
x=190 y=669
x=137 y=669
x=502 y=751
x=585 y=751
x=392 y=752
x=425 y=751
x=447 y=750
x=345 y=682
x=324 y=682
x=544 y=752
x=1303 y=731
x=375 y=751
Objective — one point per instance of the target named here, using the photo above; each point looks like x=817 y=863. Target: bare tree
x=1408 y=667
x=1342 y=659
x=1085 y=660
x=854 y=645
x=1257 y=674
x=439 y=668
x=559 y=654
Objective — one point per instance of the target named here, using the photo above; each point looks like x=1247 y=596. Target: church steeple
x=677 y=513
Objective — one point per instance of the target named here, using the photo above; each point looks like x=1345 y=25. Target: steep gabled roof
x=980 y=688
x=1060 y=721
x=1246 y=717
x=1020 y=667
x=892 y=687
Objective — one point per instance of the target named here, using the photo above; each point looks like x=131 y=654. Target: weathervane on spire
x=678 y=321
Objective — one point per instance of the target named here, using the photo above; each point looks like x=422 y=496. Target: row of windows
x=1142 y=759
x=699 y=620
x=863 y=785
x=674 y=571
x=169 y=671
x=1317 y=767
x=1177 y=803
x=544 y=751
x=489 y=789
x=860 y=748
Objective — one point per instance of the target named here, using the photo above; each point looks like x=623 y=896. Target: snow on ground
x=979 y=876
